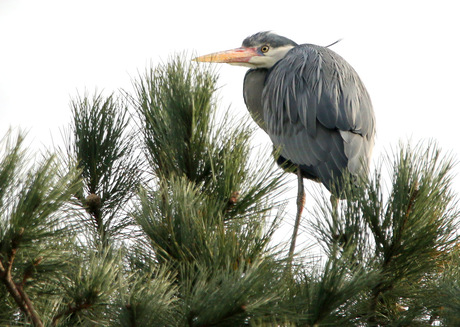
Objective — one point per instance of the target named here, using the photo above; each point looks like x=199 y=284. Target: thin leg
x=300 y=205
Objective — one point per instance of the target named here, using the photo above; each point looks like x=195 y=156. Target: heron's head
x=261 y=50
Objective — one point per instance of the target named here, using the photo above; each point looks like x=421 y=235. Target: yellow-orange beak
x=238 y=55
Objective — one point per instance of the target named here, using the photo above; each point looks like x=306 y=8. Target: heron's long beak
x=238 y=55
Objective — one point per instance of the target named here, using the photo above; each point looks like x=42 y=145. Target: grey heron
x=311 y=103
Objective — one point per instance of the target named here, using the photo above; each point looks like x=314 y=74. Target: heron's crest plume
x=268 y=37
x=333 y=43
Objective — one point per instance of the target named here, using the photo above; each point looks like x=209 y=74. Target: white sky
x=406 y=52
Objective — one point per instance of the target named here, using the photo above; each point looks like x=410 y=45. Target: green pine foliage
x=405 y=235
x=158 y=213
x=104 y=149
x=33 y=207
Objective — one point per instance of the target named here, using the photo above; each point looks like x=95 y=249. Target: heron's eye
x=264 y=48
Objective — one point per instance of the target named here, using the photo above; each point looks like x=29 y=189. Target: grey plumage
x=310 y=102
x=315 y=108
x=253 y=86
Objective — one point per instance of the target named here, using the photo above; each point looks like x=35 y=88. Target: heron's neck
x=253 y=86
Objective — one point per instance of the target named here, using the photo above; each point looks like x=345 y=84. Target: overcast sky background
x=406 y=52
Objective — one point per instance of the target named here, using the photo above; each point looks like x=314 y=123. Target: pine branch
x=70 y=311
x=149 y=296
x=110 y=170
x=16 y=290
x=202 y=254
x=205 y=213
x=31 y=310
x=5 y=275
x=383 y=287
x=29 y=224
x=401 y=235
x=88 y=288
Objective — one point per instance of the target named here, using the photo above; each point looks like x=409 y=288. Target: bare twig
x=16 y=290
x=32 y=313
x=70 y=310
x=5 y=276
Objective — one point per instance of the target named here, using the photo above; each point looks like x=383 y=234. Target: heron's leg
x=300 y=205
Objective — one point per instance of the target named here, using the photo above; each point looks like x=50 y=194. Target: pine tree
x=157 y=214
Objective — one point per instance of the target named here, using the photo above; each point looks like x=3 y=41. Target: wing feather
x=318 y=111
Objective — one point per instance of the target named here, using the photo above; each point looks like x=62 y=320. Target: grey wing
x=253 y=85
x=318 y=111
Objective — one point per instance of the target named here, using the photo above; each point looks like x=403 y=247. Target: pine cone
x=93 y=202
